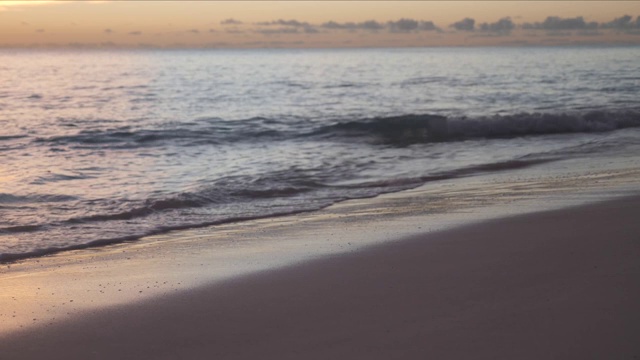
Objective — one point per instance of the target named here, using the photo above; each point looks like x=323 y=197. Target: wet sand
x=559 y=284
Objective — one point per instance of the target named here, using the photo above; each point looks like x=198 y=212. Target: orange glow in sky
x=310 y=24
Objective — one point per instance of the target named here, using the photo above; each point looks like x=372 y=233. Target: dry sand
x=554 y=285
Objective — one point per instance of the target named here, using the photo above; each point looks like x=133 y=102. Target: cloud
x=277 y=31
x=553 y=25
x=286 y=27
x=230 y=21
x=403 y=25
x=622 y=23
x=369 y=25
x=294 y=23
x=502 y=26
x=311 y=30
x=466 y=24
x=332 y=25
x=558 y=23
x=428 y=26
x=286 y=30
x=553 y=29
x=410 y=25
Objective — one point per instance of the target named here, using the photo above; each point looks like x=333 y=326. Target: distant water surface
x=98 y=147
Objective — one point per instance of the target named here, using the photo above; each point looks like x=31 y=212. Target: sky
x=317 y=24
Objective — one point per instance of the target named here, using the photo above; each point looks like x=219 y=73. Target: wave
x=525 y=124
x=54 y=177
x=395 y=129
x=11 y=137
x=13 y=257
x=400 y=130
x=20 y=228
x=180 y=201
x=206 y=197
x=35 y=198
x=228 y=190
x=408 y=183
x=201 y=132
x=429 y=128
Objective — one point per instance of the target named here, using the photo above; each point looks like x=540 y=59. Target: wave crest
x=525 y=124
x=400 y=130
x=409 y=129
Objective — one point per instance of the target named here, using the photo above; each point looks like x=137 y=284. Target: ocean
x=104 y=146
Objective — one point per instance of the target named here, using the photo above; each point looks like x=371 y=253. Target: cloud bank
x=466 y=24
x=404 y=31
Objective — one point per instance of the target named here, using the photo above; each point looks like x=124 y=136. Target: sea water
x=104 y=146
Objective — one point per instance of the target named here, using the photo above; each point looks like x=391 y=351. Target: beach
x=553 y=284
x=213 y=203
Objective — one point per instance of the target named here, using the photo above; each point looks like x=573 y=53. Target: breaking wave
x=400 y=130
x=180 y=205
x=420 y=128
x=524 y=124
x=265 y=191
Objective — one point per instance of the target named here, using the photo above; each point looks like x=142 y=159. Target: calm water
x=103 y=146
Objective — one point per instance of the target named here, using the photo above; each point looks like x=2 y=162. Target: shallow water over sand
x=36 y=292
x=101 y=147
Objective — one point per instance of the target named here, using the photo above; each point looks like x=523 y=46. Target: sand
x=561 y=284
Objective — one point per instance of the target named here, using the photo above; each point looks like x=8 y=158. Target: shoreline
x=559 y=283
x=12 y=258
x=49 y=290
x=9 y=259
